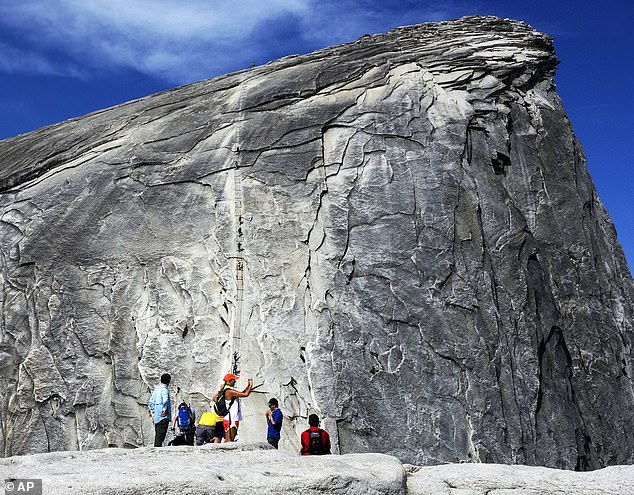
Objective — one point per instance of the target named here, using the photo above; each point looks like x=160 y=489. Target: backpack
x=185 y=417
x=315 y=447
x=220 y=406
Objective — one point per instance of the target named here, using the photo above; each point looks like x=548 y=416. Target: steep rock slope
x=399 y=233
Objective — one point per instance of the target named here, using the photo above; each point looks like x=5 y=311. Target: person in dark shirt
x=274 y=419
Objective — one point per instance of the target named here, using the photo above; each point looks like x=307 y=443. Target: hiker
x=185 y=418
x=160 y=410
x=233 y=413
x=210 y=429
x=315 y=441
x=274 y=418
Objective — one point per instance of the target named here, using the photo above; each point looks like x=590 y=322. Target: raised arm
x=232 y=394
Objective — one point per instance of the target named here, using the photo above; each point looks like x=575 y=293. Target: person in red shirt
x=315 y=441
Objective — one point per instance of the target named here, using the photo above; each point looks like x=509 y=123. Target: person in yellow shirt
x=210 y=429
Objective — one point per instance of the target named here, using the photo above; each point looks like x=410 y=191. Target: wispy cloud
x=337 y=21
x=183 y=40
x=15 y=60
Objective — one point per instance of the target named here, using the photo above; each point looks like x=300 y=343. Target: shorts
x=228 y=425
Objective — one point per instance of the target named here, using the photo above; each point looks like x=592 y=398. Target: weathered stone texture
x=399 y=233
x=247 y=468
x=225 y=469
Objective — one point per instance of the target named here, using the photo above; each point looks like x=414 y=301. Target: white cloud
x=14 y=60
x=338 y=21
x=179 y=40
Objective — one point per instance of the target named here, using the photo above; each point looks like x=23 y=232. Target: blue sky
x=64 y=58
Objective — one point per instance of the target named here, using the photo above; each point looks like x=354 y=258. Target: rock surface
x=217 y=469
x=497 y=479
x=257 y=468
x=398 y=233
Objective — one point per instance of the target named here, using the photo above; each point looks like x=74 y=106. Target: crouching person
x=210 y=429
x=185 y=420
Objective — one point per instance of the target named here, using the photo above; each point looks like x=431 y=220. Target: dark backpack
x=221 y=408
x=315 y=445
x=185 y=417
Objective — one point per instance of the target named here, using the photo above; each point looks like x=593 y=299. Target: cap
x=230 y=376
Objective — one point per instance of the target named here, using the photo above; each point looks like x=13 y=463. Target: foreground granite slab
x=257 y=468
x=496 y=479
x=213 y=469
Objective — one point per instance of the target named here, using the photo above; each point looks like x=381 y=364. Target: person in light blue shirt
x=160 y=409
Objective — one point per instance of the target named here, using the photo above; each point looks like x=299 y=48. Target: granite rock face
x=398 y=233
